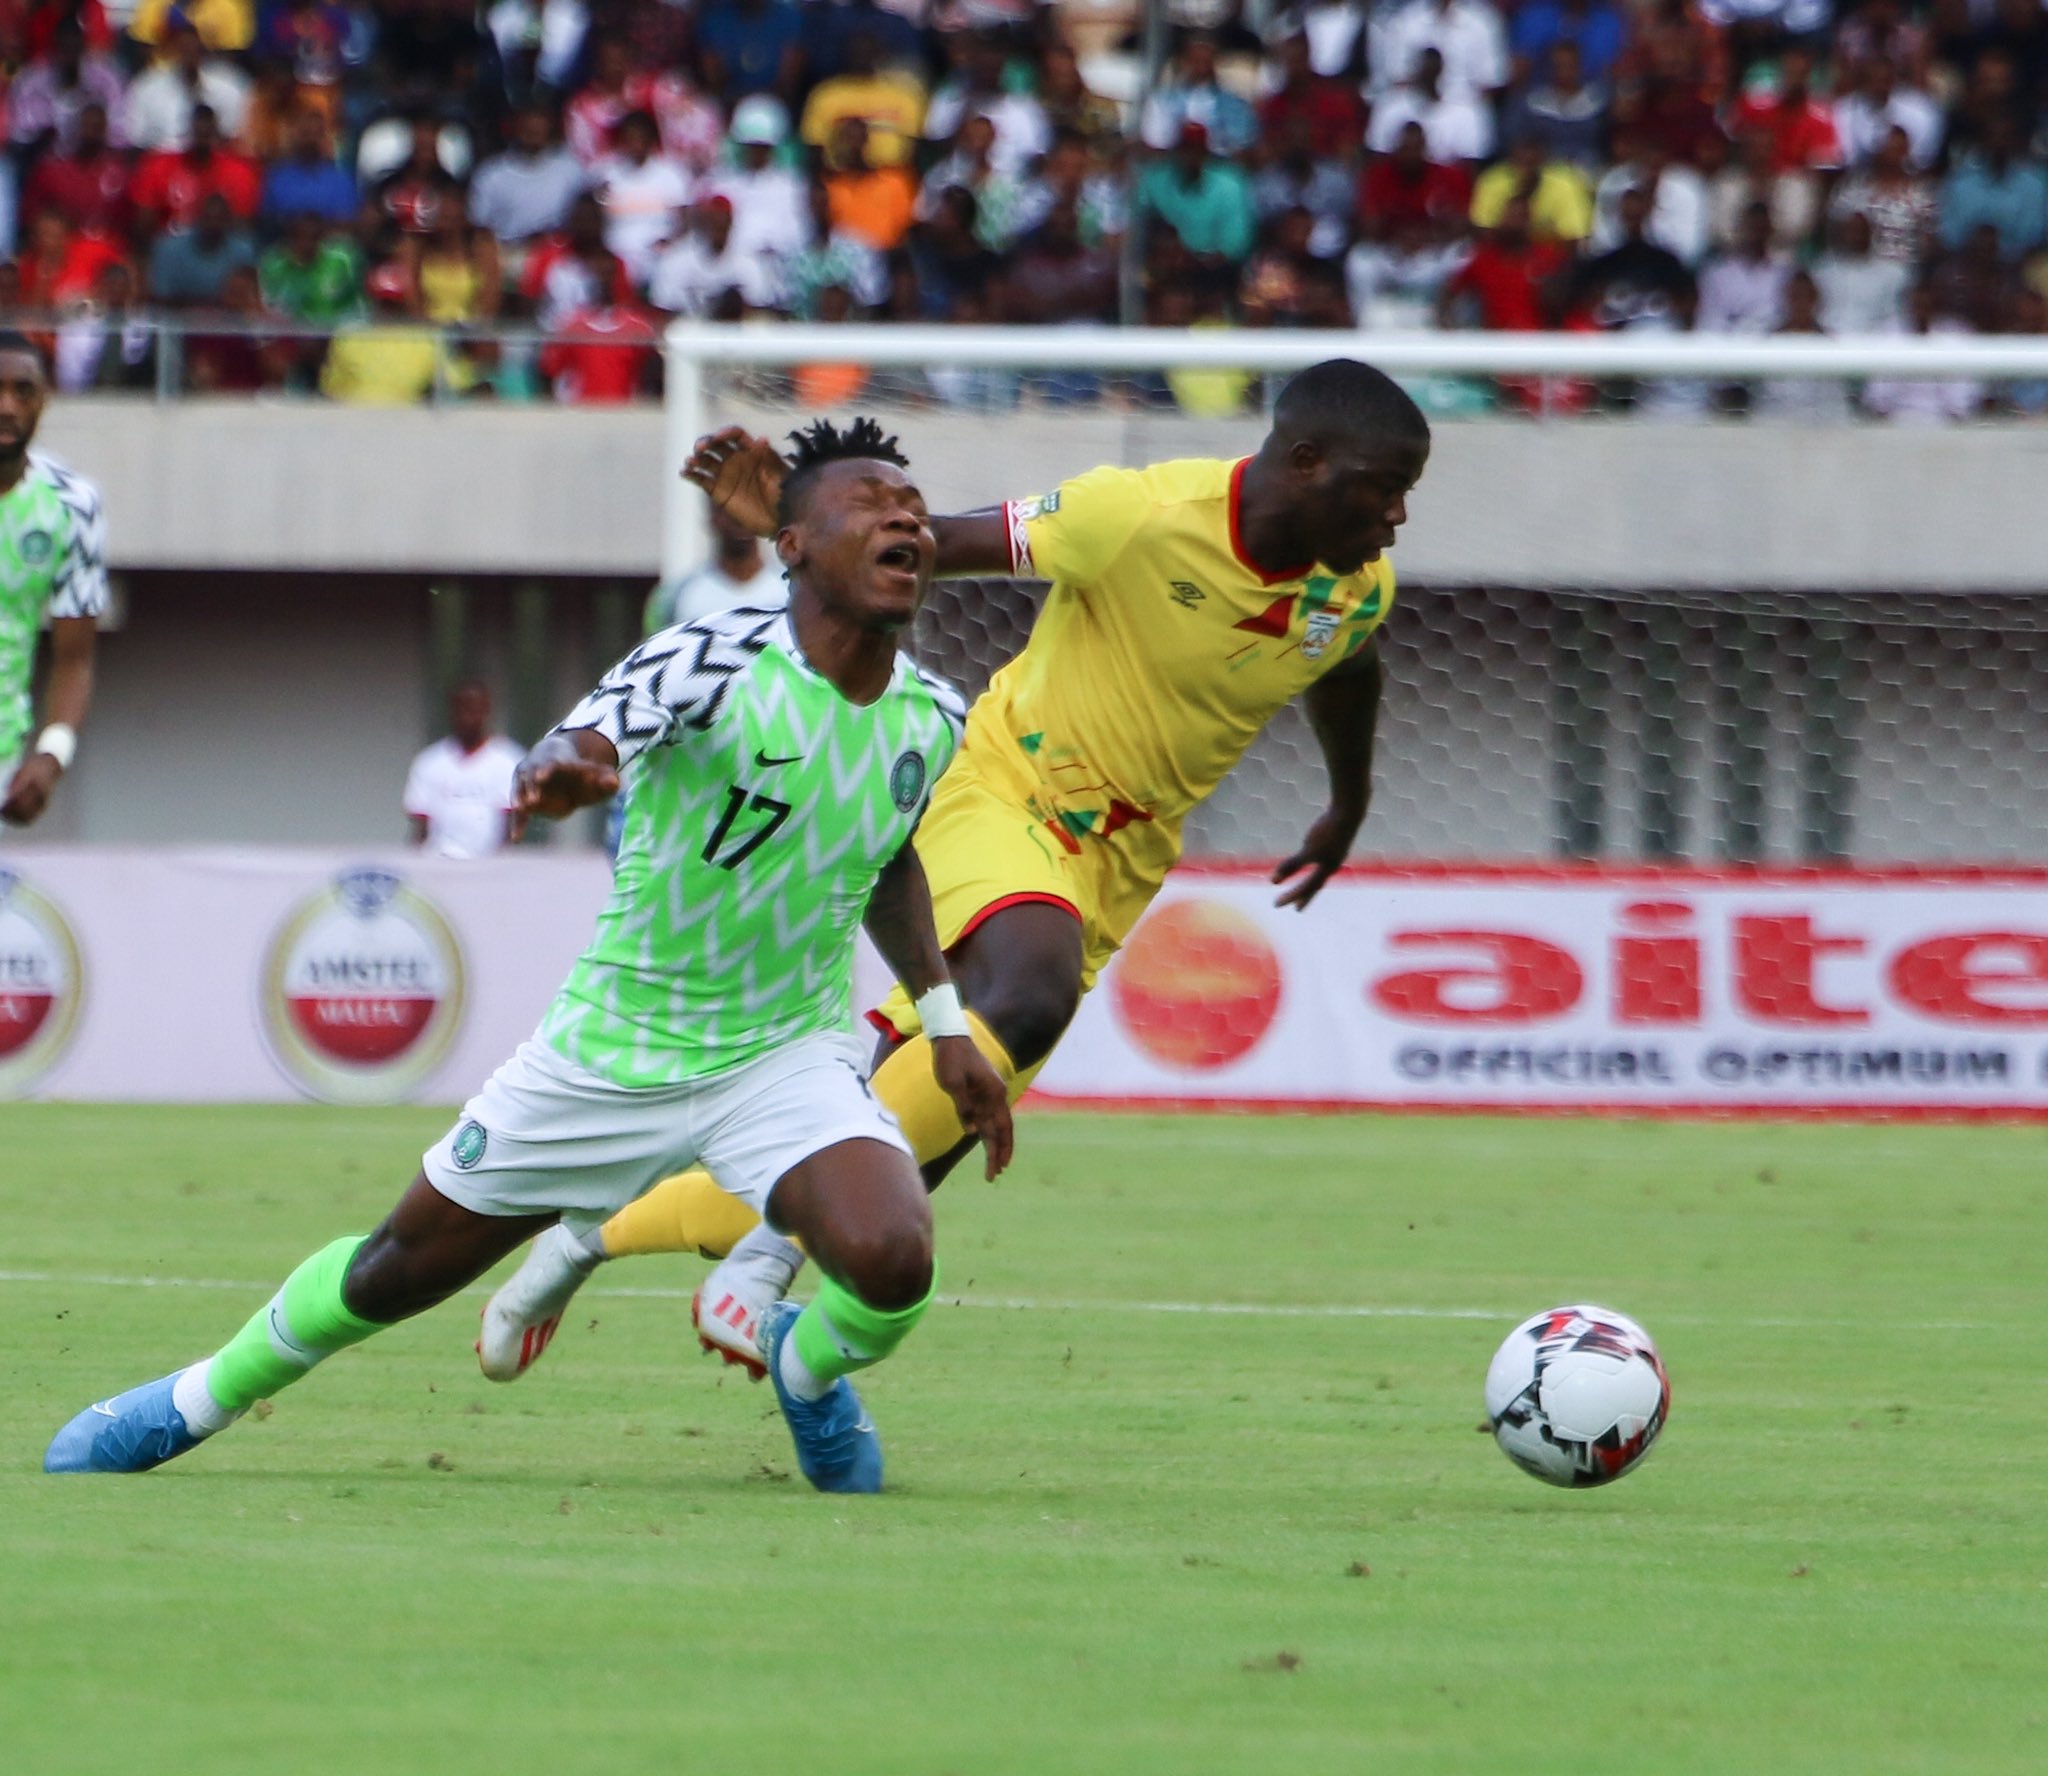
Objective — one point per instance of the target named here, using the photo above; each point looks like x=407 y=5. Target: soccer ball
x=1577 y=1395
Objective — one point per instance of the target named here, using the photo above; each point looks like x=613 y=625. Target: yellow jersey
x=1161 y=651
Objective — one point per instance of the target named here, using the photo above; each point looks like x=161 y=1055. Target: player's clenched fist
x=565 y=772
x=978 y=1094
x=28 y=790
x=742 y=474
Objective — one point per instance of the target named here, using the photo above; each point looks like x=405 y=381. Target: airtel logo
x=1657 y=965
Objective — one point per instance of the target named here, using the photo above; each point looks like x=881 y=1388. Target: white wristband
x=940 y=1014
x=60 y=741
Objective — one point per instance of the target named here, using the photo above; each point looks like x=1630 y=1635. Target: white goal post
x=695 y=348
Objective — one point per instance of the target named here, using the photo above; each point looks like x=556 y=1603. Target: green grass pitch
x=1118 y=1538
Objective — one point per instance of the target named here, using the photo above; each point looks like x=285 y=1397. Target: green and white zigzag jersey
x=760 y=807
x=53 y=563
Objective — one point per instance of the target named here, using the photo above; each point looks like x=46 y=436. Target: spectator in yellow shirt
x=224 y=26
x=889 y=101
x=1560 y=204
x=392 y=361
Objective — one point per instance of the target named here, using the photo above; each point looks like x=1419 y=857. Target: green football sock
x=305 y=1321
x=839 y=1333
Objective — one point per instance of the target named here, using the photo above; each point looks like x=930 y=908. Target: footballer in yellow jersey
x=1190 y=602
x=1159 y=656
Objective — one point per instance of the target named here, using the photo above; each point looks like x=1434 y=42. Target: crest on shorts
x=1322 y=628
x=468 y=1146
x=906 y=780
x=36 y=547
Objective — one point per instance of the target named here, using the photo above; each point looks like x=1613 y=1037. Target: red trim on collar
x=1237 y=547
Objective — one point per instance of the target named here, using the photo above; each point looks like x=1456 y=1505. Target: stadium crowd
x=404 y=176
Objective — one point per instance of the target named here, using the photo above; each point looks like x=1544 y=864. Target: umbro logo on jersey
x=1187 y=596
x=761 y=758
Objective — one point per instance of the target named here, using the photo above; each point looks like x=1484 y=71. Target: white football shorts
x=545 y=1134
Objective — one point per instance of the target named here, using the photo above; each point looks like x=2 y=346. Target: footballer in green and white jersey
x=761 y=805
x=776 y=765
x=52 y=570
x=52 y=566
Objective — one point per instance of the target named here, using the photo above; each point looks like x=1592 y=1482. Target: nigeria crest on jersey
x=906 y=780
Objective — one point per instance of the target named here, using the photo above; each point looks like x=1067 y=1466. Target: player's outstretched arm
x=25 y=795
x=568 y=769
x=1344 y=712
x=743 y=475
x=899 y=919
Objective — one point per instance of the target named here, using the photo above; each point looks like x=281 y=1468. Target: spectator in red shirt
x=39 y=30
x=89 y=186
x=1331 y=108
x=171 y=184
x=59 y=264
x=1802 y=129
x=1405 y=183
x=1509 y=283
x=603 y=355
x=574 y=271
x=1513 y=283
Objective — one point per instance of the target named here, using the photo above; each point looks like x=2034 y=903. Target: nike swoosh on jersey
x=105 y=1408
x=761 y=758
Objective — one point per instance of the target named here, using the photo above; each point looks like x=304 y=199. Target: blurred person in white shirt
x=1396 y=283
x=1919 y=400
x=1468 y=34
x=641 y=189
x=1678 y=202
x=1859 y=292
x=1802 y=400
x=740 y=574
x=705 y=260
x=771 y=203
x=1879 y=105
x=1457 y=126
x=526 y=191
x=978 y=90
x=158 y=113
x=1743 y=290
x=458 y=794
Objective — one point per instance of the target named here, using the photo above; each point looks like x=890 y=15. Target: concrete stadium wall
x=309 y=488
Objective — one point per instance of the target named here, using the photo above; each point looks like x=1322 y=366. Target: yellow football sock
x=689 y=1213
x=686 y=1213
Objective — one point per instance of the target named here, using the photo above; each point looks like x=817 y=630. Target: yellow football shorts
x=984 y=847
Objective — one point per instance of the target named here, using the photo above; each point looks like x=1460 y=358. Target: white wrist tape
x=940 y=1013
x=60 y=741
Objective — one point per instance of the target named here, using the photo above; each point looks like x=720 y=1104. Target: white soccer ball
x=1577 y=1395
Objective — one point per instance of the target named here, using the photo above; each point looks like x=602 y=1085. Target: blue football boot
x=836 y=1445
x=129 y=1434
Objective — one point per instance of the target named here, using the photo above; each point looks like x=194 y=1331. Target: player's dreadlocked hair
x=822 y=442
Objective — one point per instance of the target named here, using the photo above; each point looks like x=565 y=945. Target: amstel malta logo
x=1197 y=986
x=362 y=989
x=41 y=985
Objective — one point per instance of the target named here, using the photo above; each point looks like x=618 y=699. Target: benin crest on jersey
x=906 y=780
x=1322 y=629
